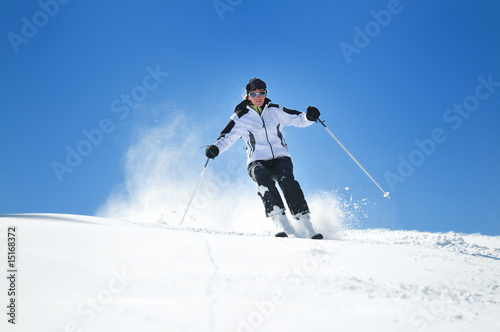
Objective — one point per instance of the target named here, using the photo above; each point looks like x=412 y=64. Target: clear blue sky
x=412 y=89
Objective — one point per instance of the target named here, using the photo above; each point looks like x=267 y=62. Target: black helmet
x=255 y=83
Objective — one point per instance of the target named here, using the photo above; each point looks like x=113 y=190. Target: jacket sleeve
x=295 y=118
x=229 y=135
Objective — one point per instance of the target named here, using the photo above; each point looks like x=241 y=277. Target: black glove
x=312 y=113
x=212 y=151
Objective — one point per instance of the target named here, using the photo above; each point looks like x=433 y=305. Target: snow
x=79 y=273
x=262 y=190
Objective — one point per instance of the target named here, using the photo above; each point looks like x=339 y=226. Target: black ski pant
x=266 y=173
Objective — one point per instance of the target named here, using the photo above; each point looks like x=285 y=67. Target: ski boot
x=305 y=220
x=282 y=222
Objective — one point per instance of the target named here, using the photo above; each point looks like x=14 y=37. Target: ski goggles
x=255 y=94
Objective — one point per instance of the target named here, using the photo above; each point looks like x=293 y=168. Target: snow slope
x=78 y=273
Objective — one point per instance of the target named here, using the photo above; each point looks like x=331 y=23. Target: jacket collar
x=243 y=107
x=267 y=101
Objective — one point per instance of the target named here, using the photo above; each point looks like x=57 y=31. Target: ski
x=318 y=236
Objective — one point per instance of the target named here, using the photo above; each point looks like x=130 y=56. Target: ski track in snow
x=210 y=286
x=195 y=279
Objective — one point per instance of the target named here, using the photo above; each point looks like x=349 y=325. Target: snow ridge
x=453 y=242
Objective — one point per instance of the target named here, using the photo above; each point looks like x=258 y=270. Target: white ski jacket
x=263 y=134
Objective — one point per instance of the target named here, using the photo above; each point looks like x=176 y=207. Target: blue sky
x=411 y=88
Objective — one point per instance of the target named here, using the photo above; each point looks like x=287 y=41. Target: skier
x=260 y=123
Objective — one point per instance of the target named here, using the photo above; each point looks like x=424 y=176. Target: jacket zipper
x=265 y=129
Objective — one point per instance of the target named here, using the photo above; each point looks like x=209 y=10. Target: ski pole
x=386 y=194
x=194 y=192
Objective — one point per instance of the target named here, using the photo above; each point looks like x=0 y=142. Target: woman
x=260 y=123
